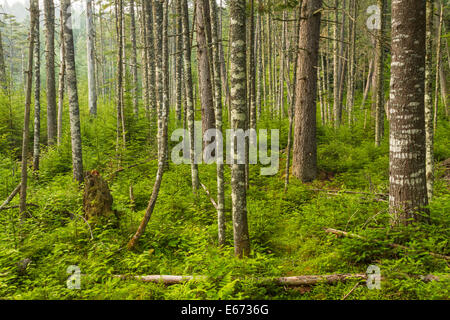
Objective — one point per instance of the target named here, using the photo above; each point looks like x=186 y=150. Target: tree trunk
x=90 y=41
x=71 y=78
x=37 y=94
x=429 y=99
x=26 y=125
x=161 y=75
x=408 y=192
x=49 y=10
x=379 y=109
x=218 y=119
x=238 y=121
x=62 y=74
x=304 y=165
x=189 y=92
x=134 y=68
x=204 y=71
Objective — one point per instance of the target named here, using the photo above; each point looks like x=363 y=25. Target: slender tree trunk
x=134 y=67
x=71 y=78
x=3 y=76
x=304 y=165
x=26 y=126
x=178 y=61
x=49 y=10
x=189 y=92
x=92 y=88
x=37 y=94
x=379 y=109
x=62 y=74
x=238 y=121
x=218 y=119
x=161 y=75
x=204 y=71
x=408 y=191
x=429 y=99
x=438 y=65
x=336 y=109
x=291 y=111
x=352 y=61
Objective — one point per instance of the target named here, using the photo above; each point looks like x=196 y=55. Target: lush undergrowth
x=286 y=229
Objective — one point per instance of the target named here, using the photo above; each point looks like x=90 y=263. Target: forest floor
x=286 y=229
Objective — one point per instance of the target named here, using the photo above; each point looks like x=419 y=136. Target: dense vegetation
x=286 y=229
x=123 y=141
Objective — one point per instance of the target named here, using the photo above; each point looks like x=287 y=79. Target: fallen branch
x=10 y=197
x=165 y=279
x=392 y=245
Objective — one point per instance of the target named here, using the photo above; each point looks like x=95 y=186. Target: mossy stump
x=97 y=199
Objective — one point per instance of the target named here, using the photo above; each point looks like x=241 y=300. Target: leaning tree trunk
x=49 y=10
x=26 y=126
x=71 y=78
x=238 y=121
x=304 y=165
x=408 y=192
x=161 y=75
x=91 y=59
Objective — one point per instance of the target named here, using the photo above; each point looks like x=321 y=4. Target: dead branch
x=392 y=245
x=17 y=206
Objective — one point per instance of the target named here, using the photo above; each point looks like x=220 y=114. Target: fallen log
x=392 y=245
x=10 y=197
x=165 y=279
x=295 y=281
x=381 y=195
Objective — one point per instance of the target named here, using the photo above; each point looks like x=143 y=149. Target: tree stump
x=97 y=199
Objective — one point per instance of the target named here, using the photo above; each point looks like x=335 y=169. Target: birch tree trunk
x=49 y=10
x=379 y=109
x=3 y=76
x=90 y=41
x=71 y=78
x=238 y=121
x=429 y=98
x=62 y=74
x=189 y=92
x=304 y=165
x=408 y=192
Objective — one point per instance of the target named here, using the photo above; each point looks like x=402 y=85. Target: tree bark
x=407 y=194
x=379 y=74
x=49 y=10
x=189 y=92
x=74 y=110
x=37 y=95
x=238 y=121
x=204 y=70
x=429 y=99
x=90 y=42
x=26 y=126
x=62 y=74
x=304 y=165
